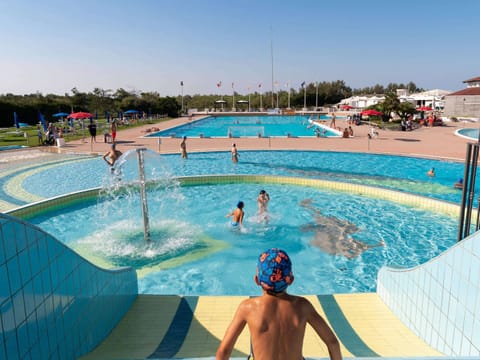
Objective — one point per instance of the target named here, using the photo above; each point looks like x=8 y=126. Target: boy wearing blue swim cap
x=276 y=320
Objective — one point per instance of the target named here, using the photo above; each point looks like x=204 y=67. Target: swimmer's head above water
x=274 y=271
x=240 y=205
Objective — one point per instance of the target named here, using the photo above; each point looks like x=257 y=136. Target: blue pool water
x=247 y=126
x=196 y=245
x=471 y=133
x=194 y=250
x=393 y=172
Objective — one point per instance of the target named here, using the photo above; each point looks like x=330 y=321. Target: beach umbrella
x=60 y=114
x=131 y=112
x=346 y=107
x=80 y=115
x=15 y=120
x=424 y=108
x=371 y=112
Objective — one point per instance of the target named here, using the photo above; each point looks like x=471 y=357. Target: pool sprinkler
x=143 y=194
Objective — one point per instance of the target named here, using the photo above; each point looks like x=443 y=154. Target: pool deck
x=436 y=142
x=191 y=327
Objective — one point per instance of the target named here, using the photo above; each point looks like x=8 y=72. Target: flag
x=15 y=120
x=233 y=85
x=181 y=83
x=302 y=84
x=219 y=84
x=42 y=121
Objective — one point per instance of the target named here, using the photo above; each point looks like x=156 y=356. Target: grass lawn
x=27 y=136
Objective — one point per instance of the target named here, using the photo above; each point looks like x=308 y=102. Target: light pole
x=316 y=98
x=181 y=84
x=276 y=89
x=261 y=105
x=288 y=90
x=304 y=96
x=233 y=97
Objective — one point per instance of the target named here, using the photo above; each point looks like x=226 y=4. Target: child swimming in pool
x=276 y=320
x=237 y=215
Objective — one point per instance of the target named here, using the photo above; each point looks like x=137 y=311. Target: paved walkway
x=438 y=142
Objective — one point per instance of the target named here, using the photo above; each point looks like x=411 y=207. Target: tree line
x=103 y=101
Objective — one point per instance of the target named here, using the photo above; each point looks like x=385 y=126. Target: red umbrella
x=80 y=115
x=346 y=107
x=371 y=112
x=424 y=108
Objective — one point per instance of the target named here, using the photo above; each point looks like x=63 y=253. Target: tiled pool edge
x=54 y=303
x=439 y=300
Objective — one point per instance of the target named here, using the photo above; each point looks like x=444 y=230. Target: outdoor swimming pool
x=470 y=133
x=248 y=126
x=195 y=244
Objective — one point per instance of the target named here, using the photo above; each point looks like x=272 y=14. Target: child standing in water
x=237 y=215
x=276 y=320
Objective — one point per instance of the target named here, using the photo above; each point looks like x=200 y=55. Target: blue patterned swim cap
x=274 y=270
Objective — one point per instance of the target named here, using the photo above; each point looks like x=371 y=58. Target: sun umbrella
x=60 y=114
x=371 y=112
x=80 y=115
x=346 y=107
x=15 y=120
x=424 y=108
x=131 y=112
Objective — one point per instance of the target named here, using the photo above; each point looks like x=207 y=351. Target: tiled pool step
x=172 y=327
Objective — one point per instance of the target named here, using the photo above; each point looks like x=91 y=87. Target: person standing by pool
x=234 y=153
x=333 y=125
x=237 y=215
x=113 y=130
x=276 y=320
x=92 y=129
x=183 y=146
x=39 y=135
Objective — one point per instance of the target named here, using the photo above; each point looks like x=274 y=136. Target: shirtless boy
x=276 y=320
x=237 y=214
x=112 y=156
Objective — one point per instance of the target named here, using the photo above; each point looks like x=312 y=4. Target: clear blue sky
x=52 y=46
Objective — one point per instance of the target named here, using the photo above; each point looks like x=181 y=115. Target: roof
x=472 y=80
x=467 y=91
x=433 y=92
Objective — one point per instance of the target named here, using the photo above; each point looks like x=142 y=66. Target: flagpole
x=271 y=52
x=233 y=97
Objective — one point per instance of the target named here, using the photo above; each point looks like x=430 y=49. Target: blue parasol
x=15 y=120
x=60 y=114
x=131 y=112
